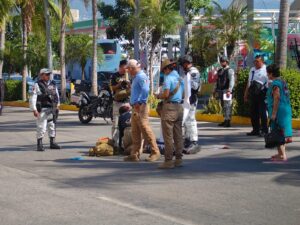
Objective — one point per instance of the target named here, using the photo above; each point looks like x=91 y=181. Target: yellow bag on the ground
x=104 y=150
x=92 y=151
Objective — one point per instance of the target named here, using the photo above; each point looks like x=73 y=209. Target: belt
x=172 y=102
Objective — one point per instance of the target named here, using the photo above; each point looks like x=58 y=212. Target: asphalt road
x=234 y=186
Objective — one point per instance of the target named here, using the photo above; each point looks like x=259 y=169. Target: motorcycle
x=96 y=106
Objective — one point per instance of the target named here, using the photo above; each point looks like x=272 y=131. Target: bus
x=107 y=65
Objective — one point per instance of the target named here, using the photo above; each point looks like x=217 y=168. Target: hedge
x=13 y=90
x=292 y=77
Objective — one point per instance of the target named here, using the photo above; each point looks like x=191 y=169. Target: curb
x=213 y=118
x=26 y=105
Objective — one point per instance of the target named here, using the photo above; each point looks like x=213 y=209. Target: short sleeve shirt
x=170 y=82
x=259 y=75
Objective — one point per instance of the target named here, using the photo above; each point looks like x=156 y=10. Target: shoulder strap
x=253 y=72
x=175 y=90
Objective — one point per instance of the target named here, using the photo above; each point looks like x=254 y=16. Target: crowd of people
x=265 y=91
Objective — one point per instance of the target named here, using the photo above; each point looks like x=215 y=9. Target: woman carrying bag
x=279 y=109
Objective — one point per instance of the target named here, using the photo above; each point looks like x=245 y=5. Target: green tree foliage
x=232 y=26
x=13 y=90
x=79 y=48
x=241 y=83
x=290 y=76
x=205 y=47
x=118 y=17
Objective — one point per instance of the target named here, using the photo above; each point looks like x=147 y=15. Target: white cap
x=45 y=70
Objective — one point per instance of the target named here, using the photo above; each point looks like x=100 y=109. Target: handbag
x=121 y=95
x=275 y=137
x=159 y=108
x=256 y=88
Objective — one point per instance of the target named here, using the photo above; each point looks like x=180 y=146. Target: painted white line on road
x=148 y=211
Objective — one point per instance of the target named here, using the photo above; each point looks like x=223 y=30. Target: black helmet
x=224 y=59
x=186 y=58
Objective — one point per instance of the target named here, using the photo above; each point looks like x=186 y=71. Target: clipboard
x=225 y=98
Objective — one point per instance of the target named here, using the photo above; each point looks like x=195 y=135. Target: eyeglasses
x=47 y=74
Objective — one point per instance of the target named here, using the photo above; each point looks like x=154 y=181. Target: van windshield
x=108 y=48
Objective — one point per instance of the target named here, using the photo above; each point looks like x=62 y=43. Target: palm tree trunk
x=48 y=35
x=82 y=73
x=64 y=5
x=95 y=36
x=151 y=58
x=281 y=49
x=25 y=66
x=2 y=44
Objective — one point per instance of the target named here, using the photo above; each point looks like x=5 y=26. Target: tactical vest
x=223 y=79
x=194 y=92
x=49 y=97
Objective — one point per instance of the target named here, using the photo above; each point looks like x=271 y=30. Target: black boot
x=227 y=123
x=53 y=145
x=40 y=146
x=222 y=124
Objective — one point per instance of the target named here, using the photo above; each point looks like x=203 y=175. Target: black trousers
x=258 y=113
x=1 y=94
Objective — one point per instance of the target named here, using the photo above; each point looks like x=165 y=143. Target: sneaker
x=131 y=158
x=193 y=149
x=221 y=124
x=187 y=143
x=153 y=157
x=227 y=123
x=178 y=163
x=167 y=165
x=262 y=134
x=253 y=133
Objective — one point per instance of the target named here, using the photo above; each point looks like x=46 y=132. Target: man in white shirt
x=256 y=93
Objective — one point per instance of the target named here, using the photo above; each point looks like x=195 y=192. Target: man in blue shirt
x=172 y=115
x=139 y=119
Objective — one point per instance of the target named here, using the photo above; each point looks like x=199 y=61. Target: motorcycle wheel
x=84 y=116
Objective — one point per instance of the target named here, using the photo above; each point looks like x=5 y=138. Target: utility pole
x=250 y=21
x=183 y=29
x=136 y=34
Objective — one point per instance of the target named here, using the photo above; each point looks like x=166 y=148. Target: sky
x=87 y=13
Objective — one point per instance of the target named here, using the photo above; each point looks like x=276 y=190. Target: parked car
x=57 y=79
x=29 y=80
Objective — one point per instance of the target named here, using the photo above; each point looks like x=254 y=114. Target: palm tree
x=232 y=26
x=27 y=11
x=79 y=50
x=161 y=18
x=5 y=8
x=95 y=37
x=48 y=34
x=64 y=5
x=281 y=48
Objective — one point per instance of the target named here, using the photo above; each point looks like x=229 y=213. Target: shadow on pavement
x=114 y=171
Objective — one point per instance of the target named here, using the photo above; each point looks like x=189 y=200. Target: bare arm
x=164 y=95
x=276 y=98
x=246 y=93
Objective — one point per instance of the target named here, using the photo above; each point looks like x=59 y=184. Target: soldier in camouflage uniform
x=224 y=85
x=44 y=103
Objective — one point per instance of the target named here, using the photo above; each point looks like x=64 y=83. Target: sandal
x=278 y=158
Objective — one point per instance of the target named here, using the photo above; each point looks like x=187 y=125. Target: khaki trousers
x=171 y=120
x=140 y=126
